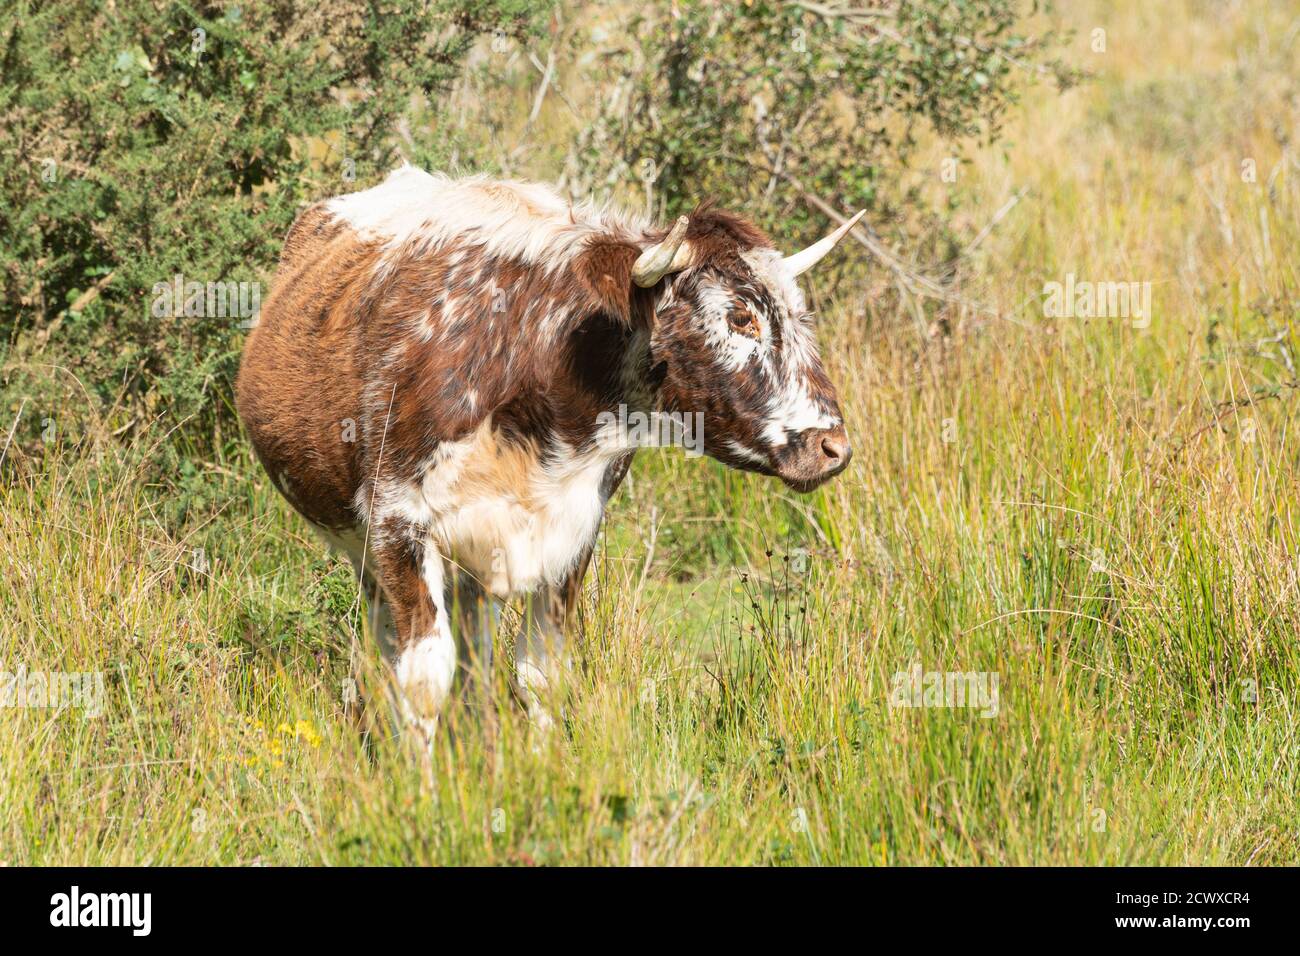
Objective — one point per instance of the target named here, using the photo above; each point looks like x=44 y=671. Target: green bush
x=150 y=140
x=765 y=104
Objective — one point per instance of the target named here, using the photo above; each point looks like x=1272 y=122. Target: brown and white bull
x=439 y=377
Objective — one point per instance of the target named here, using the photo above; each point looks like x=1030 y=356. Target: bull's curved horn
x=805 y=259
x=672 y=255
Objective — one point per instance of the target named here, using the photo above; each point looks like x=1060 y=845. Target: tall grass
x=1102 y=516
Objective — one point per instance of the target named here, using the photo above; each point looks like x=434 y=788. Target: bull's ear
x=604 y=271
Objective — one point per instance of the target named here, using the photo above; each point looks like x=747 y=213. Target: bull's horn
x=672 y=255
x=804 y=260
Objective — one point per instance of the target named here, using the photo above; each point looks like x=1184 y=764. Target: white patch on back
x=528 y=222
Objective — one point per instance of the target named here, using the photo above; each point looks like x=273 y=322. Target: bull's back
x=299 y=388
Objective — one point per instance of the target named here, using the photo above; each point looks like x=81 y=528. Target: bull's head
x=733 y=339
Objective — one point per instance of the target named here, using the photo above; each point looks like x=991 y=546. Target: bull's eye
x=744 y=321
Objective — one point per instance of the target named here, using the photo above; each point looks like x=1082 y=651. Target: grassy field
x=1100 y=513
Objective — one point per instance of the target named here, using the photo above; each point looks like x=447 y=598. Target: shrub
x=149 y=140
x=773 y=105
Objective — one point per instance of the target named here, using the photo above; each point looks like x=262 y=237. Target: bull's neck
x=608 y=382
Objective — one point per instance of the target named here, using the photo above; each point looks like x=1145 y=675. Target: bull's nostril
x=836 y=452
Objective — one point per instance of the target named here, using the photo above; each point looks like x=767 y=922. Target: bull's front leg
x=475 y=614
x=543 y=651
x=413 y=575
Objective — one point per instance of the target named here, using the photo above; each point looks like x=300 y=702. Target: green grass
x=1062 y=503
